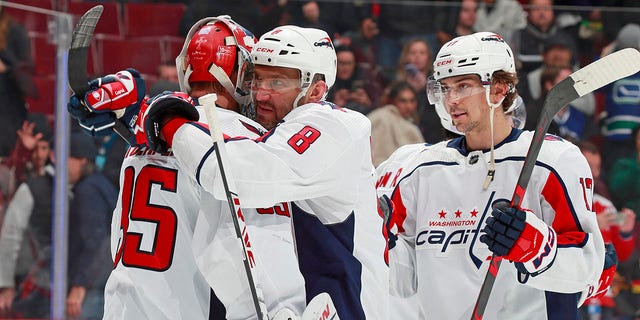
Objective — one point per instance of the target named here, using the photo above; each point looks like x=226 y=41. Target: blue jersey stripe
x=327 y=263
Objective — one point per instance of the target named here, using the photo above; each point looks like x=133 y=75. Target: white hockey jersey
x=440 y=210
x=166 y=231
x=388 y=174
x=319 y=158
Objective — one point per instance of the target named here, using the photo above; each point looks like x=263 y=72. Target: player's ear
x=498 y=91
x=317 y=91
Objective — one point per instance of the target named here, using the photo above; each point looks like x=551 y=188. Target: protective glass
x=274 y=85
x=441 y=95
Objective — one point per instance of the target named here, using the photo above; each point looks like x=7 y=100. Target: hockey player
x=316 y=155
x=170 y=240
x=451 y=202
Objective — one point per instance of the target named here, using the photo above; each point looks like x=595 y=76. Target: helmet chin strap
x=492 y=164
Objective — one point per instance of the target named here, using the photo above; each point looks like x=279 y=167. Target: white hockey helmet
x=481 y=53
x=308 y=50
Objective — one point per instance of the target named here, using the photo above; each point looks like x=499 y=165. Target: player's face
x=464 y=99
x=274 y=90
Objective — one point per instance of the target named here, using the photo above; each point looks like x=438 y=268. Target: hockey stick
x=597 y=74
x=77 y=63
x=209 y=103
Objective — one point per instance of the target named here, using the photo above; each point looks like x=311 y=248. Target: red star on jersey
x=442 y=214
x=458 y=213
x=474 y=213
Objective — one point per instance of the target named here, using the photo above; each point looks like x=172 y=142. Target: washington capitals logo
x=326 y=41
x=493 y=37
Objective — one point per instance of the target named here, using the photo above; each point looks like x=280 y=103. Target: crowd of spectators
x=385 y=53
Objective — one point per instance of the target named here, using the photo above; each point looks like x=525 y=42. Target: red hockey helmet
x=213 y=49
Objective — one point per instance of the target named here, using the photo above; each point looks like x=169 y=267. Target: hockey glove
x=161 y=116
x=111 y=98
x=521 y=237
x=608 y=271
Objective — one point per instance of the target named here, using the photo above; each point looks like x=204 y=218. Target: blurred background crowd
x=385 y=51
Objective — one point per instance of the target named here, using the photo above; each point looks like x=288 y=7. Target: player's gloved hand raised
x=521 y=237
x=112 y=98
x=162 y=115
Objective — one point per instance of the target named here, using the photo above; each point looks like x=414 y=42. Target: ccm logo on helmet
x=323 y=42
x=267 y=50
x=444 y=62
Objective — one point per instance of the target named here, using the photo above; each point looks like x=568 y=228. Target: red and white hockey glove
x=161 y=116
x=608 y=272
x=112 y=98
x=521 y=237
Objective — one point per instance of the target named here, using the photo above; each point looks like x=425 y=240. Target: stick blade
x=79 y=49
x=610 y=68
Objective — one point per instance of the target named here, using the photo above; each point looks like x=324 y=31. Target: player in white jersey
x=316 y=155
x=169 y=237
x=445 y=220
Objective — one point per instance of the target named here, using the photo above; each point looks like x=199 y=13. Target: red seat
x=32 y=21
x=46 y=102
x=110 y=23
x=173 y=47
x=152 y=19
x=144 y=54
x=43 y=54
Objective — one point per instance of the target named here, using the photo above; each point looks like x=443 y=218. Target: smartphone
x=411 y=70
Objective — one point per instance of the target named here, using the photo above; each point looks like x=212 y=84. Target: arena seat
x=152 y=19
x=110 y=23
x=32 y=21
x=144 y=54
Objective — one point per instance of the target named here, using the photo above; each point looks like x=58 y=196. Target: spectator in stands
x=569 y=122
x=167 y=79
x=310 y=16
x=24 y=285
x=463 y=19
x=557 y=51
x=25 y=293
x=504 y=17
x=624 y=177
x=414 y=65
x=364 y=44
x=401 y=22
x=16 y=82
x=392 y=125
x=29 y=154
x=90 y=211
x=622 y=105
x=28 y=157
x=616 y=228
x=541 y=25
x=614 y=21
x=352 y=89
